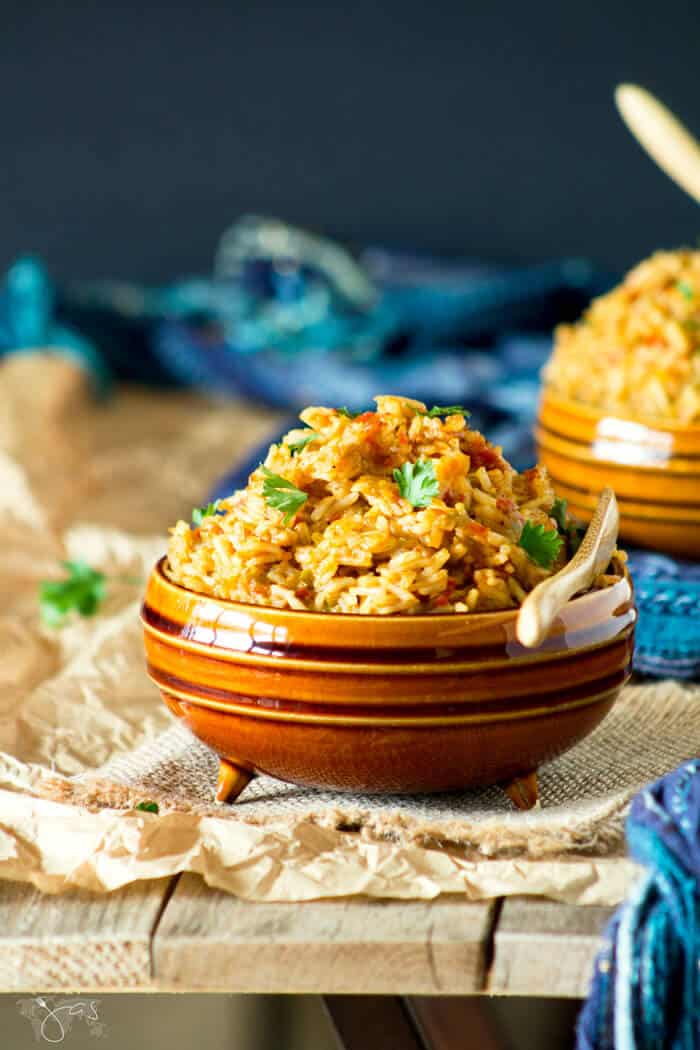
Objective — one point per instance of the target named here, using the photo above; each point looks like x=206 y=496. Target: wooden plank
x=78 y=939
x=209 y=939
x=545 y=948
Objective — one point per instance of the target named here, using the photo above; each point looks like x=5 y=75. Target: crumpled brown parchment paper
x=84 y=735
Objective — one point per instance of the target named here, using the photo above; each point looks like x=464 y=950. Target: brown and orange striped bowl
x=652 y=465
x=385 y=704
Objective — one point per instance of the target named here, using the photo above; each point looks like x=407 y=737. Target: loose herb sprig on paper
x=83 y=590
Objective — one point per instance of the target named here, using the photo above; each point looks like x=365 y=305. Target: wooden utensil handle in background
x=666 y=140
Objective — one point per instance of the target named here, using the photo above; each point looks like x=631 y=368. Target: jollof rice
x=356 y=545
x=636 y=350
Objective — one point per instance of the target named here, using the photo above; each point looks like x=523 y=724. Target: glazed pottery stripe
x=580 y=422
x=200 y=637
x=398 y=721
x=656 y=452
x=436 y=687
x=680 y=489
x=638 y=500
x=608 y=453
x=618 y=626
x=638 y=509
x=407 y=705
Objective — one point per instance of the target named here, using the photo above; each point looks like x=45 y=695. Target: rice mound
x=636 y=351
x=356 y=545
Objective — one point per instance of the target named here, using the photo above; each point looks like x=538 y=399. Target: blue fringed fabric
x=645 y=993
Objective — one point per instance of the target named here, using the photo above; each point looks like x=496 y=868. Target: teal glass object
x=28 y=322
x=291 y=290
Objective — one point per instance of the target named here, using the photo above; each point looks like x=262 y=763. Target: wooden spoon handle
x=548 y=598
x=665 y=139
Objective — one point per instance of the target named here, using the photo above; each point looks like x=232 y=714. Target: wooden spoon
x=662 y=135
x=547 y=599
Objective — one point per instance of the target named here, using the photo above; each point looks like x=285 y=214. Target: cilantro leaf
x=570 y=530
x=345 y=411
x=558 y=512
x=417 y=482
x=575 y=534
x=686 y=290
x=148 y=807
x=200 y=513
x=542 y=545
x=447 y=410
x=302 y=442
x=83 y=591
x=282 y=495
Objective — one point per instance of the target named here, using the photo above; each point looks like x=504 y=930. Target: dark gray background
x=133 y=133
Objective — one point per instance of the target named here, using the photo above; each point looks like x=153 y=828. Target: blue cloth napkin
x=645 y=991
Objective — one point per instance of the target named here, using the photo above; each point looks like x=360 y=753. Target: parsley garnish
x=83 y=590
x=302 y=442
x=417 y=482
x=686 y=290
x=282 y=495
x=558 y=512
x=542 y=545
x=148 y=807
x=345 y=411
x=200 y=513
x=446 y=410
x=570 y=531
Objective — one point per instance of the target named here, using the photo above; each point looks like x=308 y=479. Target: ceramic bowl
x=401 y=704
x=653 y=466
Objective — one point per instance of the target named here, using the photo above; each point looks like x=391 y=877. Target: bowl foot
x=231 y=781
x=523 y=790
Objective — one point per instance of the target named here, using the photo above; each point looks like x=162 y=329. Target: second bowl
x=653 y=466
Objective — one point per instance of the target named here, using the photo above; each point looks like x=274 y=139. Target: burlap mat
x=84 y=735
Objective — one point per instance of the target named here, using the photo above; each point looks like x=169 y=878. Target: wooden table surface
x=179 y=935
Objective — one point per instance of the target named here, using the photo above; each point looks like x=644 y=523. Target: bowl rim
x=248 y=608
x=590 y=412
